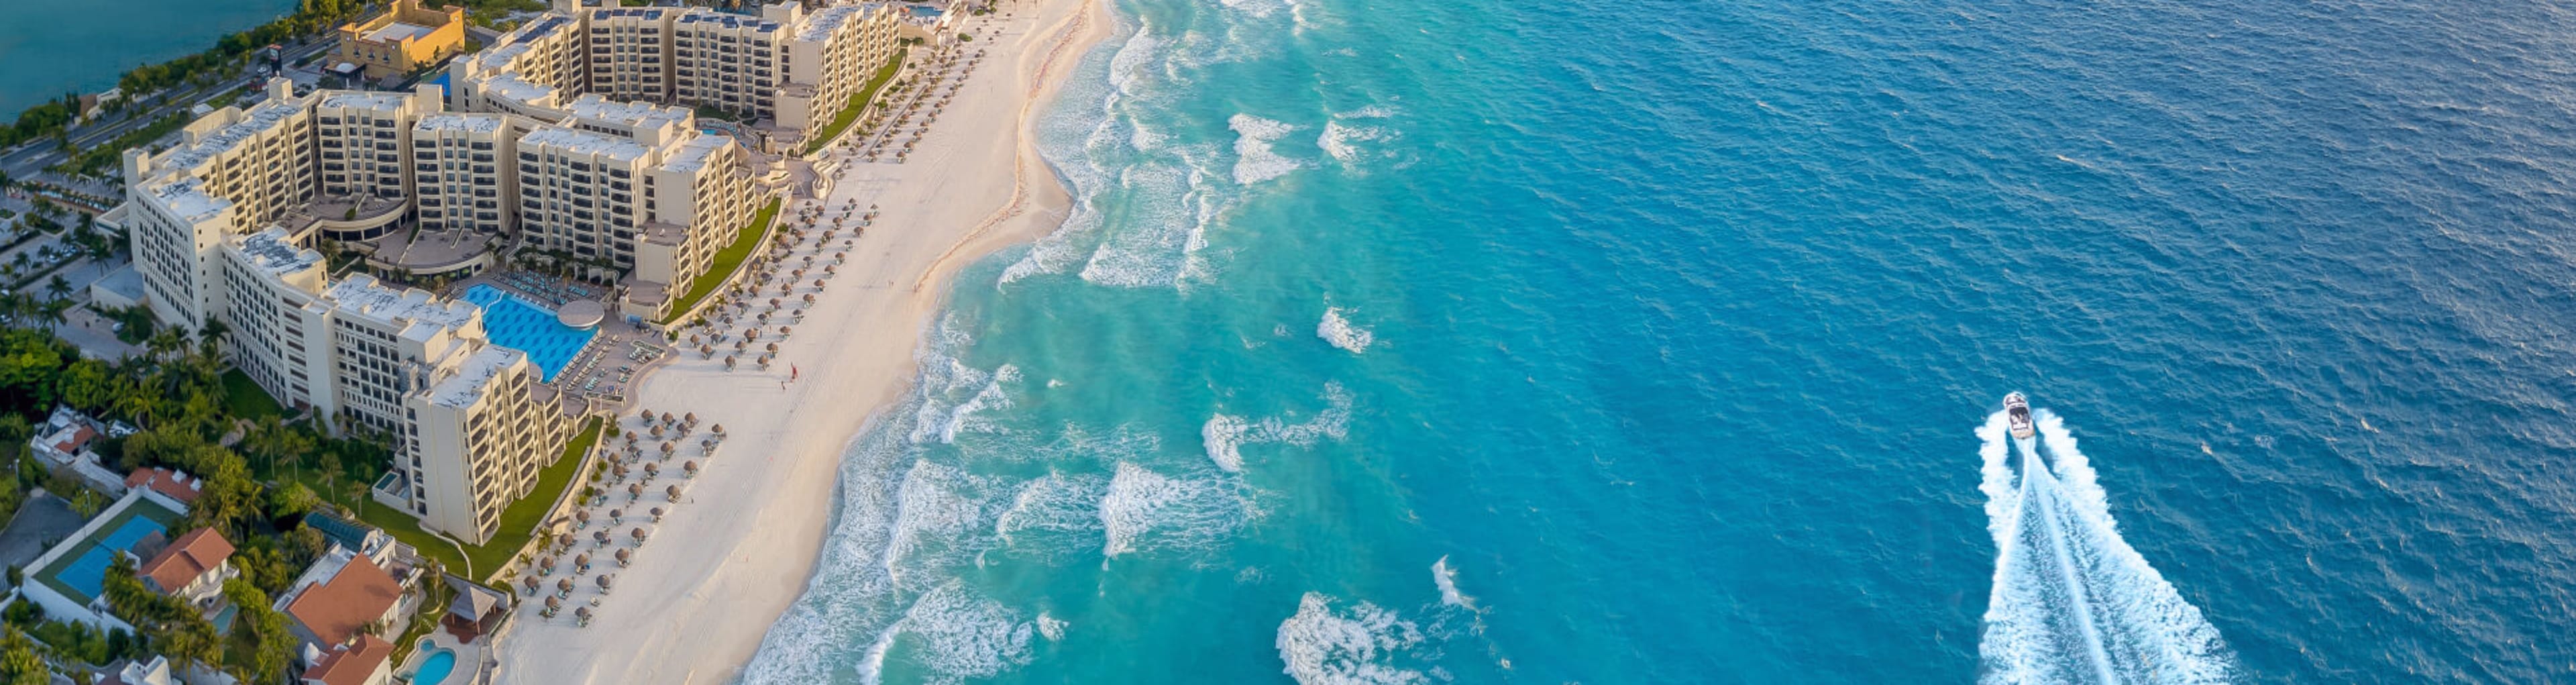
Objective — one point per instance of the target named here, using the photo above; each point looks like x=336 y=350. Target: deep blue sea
x=1662 y=342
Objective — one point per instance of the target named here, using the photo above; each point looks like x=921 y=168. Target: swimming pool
x=434 y=669
x=516 y=324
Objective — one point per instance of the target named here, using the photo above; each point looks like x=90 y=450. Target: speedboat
x=2017 y=411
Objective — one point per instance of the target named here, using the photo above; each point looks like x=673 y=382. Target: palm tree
x=60 y=287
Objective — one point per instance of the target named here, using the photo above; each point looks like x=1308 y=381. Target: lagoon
x=51 y=48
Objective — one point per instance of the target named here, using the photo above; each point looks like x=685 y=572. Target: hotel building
x=574 y=140
x=786 y=72
x=406 y=38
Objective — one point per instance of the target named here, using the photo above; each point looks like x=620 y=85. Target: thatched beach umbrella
x=673 y=492
x=773 y=347
x=582 y=613
x=652 y=471
x=729 y=362
x=634 y=490
x=620 y=472
x=565 y=541
x=582 y=515
x=691 y=419
x=600 y=537
x=667 y=449
x=657 y=514
x=552 y=605
x=605 y=582
x=691 y=467
x=657 y=430
x=582 y=561
x=639 y=535
x=625 y=557
x=563 y=587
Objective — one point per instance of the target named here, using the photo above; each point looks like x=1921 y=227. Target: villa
x=365 y=662
x=341 y=596
x=192 y=568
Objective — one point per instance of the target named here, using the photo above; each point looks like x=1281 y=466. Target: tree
x=290 y=501
x=19 y=664
x=272 y=645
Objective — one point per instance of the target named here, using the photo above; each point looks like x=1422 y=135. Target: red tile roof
x=80 y=438
x=335 y=609
x=174 y=484
x=351 y=665
x=191 y=556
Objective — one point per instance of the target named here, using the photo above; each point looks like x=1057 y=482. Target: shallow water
x=1648 y=342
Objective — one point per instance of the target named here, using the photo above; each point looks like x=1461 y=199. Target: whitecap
x=1144 y=510
x=959 y=634
x=1224 y=435
x=1338 y=330
x=1255 y=161
x=1321 y=646
x=1446 y=578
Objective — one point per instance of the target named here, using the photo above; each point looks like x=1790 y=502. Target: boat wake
x=2072 y=602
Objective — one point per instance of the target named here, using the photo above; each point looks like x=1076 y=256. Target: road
x=31 y=159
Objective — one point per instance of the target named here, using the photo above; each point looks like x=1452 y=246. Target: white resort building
x=573 y=141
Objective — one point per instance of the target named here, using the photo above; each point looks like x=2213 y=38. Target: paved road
x=27 y=161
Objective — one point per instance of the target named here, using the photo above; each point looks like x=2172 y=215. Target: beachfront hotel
x=785 y=73
x=573 y=142
x=406 y=38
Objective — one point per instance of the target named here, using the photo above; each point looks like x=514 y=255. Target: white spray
x=2072 y=602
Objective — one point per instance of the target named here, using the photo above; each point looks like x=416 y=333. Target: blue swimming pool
x=517 y=324
x=87 y=573
x=434 y=670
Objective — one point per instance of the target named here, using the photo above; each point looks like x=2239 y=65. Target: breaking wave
x=1224 y=435
x=1338 y=330
x=1360 y=645
x=1254 y=160
x=1146 y=510
x=2072 y=602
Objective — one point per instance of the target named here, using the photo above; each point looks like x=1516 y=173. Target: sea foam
x=1224 y=435
x=1339 y=331
x=1254 y=160
x=1359 y=646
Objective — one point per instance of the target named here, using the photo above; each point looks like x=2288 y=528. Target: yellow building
x=404 y=39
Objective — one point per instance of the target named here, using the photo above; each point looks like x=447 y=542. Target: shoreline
x=740 y=547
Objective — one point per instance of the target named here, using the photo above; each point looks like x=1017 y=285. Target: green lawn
x=727 y=259
x=244 y=398
x=858 y=102
x=513 y=532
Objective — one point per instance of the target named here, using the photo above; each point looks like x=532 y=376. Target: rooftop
x=397 y=32
x=822 y=23
x=638 y=113
x=351 y=665
x=364 y=297
x=356 y=99
x=510 y=86
x=356 y=593
x=271 y=251
x=190 y=556
x=576 y=141
x=473 y=123
x=466 y=383
x=187 y=197
x=175 y=485
x=693 y=155
x=260 y=117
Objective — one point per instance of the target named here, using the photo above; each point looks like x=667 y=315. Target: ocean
x=1662 y=342
x=49 y=49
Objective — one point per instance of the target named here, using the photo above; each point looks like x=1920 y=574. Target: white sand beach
x=739 y=545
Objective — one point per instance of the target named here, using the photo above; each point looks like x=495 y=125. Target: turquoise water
x=87 y=573
x=434 y=670
x=51 y=48
x=1661 y=342
x=514 y=323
